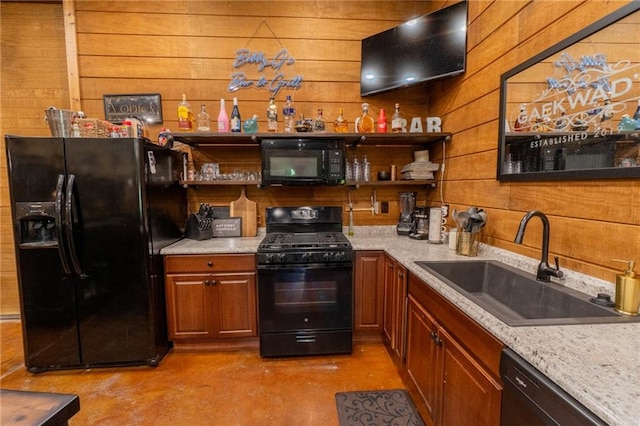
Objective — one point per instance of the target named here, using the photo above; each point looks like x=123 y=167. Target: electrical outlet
x=445 y=210
x=384 y=207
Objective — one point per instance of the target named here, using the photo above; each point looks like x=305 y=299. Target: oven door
x=305 y=297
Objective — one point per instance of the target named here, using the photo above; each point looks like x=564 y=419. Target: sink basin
x=516 y=298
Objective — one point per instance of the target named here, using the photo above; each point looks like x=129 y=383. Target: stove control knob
x=282 y=257
x=338 y=256
x=327 y=256
x=269 y=258
x=306 y=257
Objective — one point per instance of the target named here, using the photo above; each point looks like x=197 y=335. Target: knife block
x=199 y=228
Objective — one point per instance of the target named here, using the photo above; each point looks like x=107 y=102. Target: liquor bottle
x=366 y=169
x=366 y=123
x=396 y=120
x=202 y=120
x=272 y=116
x=223 y=118
x=251 y=125
x=382 y=122
x=348 y=170
x=289 y=116
x=235 y=121
x=185 y=115
x=319 y=125
x=340 y=125
x=636 y=116
x=357 y=170
x=519 y=124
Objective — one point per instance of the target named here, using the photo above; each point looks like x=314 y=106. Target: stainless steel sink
x=516 y=298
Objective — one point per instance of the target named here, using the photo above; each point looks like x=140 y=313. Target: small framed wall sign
x=228 y=227
x=146 y=107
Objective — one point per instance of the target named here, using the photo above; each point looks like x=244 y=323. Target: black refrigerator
x=90 y=217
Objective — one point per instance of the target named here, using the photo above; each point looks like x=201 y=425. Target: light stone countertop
x=599 y=365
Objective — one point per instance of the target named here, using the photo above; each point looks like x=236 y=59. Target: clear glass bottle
x=366 y=169
x=223 y=118
x=357 y=170
x=396 y=120
x=319 y=125
x=289 y=116
x=202 y=120
x=366 y=123
x=185 y=115
x=251 y=125
x=340 y=125
x=235 y=122
x=348 y=170
x=382 y=122
x=272 y=116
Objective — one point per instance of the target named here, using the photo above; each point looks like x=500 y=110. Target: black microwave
x=302 y=161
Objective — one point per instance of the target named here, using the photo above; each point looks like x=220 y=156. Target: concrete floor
x=207 y=388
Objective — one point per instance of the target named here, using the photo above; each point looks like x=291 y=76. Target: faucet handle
x=557 y=273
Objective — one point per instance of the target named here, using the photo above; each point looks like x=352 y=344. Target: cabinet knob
x=207 y=282
x=209 y=263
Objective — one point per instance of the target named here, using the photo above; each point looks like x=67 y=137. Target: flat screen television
x=429 y=47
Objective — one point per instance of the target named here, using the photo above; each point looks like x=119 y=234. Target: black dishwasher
x=530 y=398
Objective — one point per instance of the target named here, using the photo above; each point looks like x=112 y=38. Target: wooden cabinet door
x=234 y=305
x=422 y=354
x=389 y=305
x=189 y=299
x=470 y=396
x=395 y=293
x=399 y=301
x=368 y=286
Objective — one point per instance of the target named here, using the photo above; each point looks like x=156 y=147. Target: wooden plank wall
x=592 y=222
x=34 y=77
x=122 y=49
x=188 y=47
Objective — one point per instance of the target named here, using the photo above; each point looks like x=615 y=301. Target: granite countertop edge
x=599 y=365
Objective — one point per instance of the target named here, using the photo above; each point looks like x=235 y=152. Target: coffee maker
x=420 y=228
x=407 y=207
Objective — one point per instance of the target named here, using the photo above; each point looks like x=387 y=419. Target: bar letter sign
x=146 y=107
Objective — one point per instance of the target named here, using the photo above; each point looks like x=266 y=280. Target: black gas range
x=305 y=294
x=308 y=247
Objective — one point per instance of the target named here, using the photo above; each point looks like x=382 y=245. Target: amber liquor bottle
x=366 y=123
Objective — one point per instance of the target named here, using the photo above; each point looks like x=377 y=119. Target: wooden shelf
x=353 y=140
x=220 y=182
x=431 y=183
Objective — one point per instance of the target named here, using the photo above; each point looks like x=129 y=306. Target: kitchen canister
x=467 y=244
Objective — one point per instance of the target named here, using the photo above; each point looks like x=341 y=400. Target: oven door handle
x=306 y=338
x=293 y=266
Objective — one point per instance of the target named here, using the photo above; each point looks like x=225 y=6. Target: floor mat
x=377 y=408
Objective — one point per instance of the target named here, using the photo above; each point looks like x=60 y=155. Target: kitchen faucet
x=545 y=271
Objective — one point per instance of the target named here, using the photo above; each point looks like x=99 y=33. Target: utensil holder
x=467 y=244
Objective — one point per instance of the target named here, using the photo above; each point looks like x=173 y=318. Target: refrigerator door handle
x=59 y=206
x=75 y=261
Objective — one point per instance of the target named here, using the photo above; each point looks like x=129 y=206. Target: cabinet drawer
x=210 y=263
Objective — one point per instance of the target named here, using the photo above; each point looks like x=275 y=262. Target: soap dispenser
x=627 y=290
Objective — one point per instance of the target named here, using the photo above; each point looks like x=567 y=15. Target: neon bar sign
x=263 y=64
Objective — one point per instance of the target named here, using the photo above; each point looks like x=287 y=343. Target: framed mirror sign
x=573 y=111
